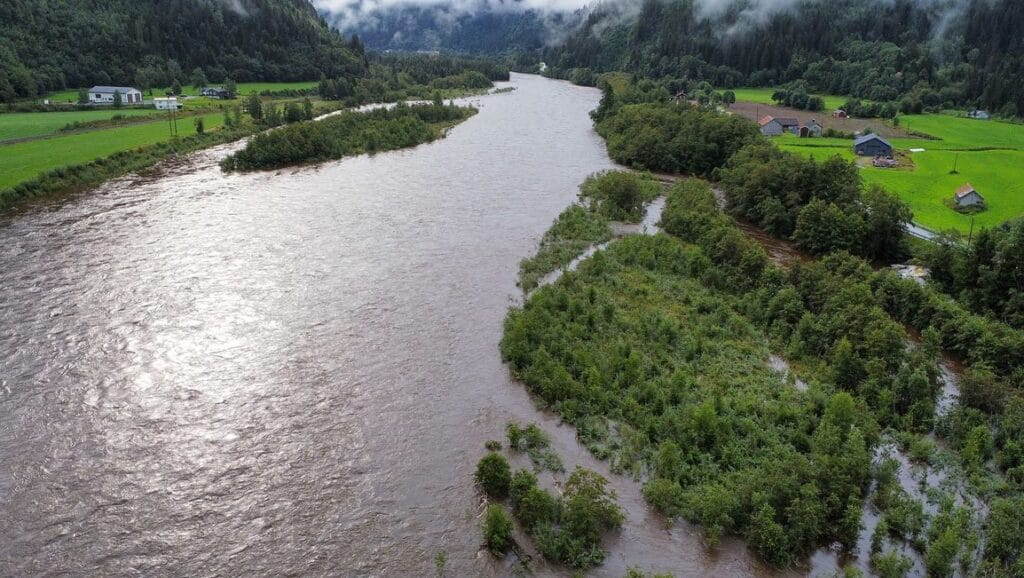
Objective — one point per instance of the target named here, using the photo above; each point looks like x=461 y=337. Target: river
x=290 y=372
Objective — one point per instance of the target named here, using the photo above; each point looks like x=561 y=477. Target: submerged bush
x=498 y=528
x=494 y=475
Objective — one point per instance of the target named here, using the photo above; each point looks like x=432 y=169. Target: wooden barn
x=872 y=145
x=967 y=197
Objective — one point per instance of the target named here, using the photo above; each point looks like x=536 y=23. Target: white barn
x=105 y=95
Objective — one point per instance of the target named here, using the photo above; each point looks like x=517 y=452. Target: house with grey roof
x=105 y=95
x=967 y=197
x=872 y=145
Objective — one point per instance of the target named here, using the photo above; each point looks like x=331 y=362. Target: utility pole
x=970 y=236
x=956 y=163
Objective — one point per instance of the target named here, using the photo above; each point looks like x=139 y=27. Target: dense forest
x=483 y=30
x=923 y=55
x=47 y=46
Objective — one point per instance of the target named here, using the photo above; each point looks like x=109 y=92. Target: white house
x=166 y=103
x=105 y=95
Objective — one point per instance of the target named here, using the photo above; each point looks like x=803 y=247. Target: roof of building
x=870 y=137
x=966 y=190
x=113 y=89
x=165 y=98
x=788 y=121
x=813 y=122
x=765 y=120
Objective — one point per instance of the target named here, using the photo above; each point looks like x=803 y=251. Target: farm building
x=872 y=145
x=166 y=103
x=214 y=92
x=811 y=129
x=979 y=114
x=789 y=125
x=967 y=197
x=770 y=126
x=105 y=95
x=840 y=114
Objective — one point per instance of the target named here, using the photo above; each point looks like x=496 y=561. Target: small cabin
x=105 y=95
x=872 y=145
x=967 y=197
x=770 y=126
x=979 y=115
x=840 y=114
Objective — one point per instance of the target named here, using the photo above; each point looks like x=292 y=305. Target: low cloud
x=353 y=13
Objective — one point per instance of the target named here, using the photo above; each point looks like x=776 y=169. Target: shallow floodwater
x=290 y=372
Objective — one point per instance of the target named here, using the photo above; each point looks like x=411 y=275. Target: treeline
x=987 y=275
x=346 y=134
x=48 y=46
x=391 y=78
x=818 y=205
x=914 y=55
x=670 y=138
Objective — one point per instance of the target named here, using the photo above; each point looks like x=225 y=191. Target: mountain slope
x=51 y=44
x=934 y=52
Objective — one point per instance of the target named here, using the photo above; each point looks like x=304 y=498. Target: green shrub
x=536 y=507
x=522 y=481
x=665 y=496
x=498 y=529
x=494 y=475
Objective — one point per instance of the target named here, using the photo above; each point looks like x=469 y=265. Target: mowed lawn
x=15 y=125
x=24 y=161
x=987 y=154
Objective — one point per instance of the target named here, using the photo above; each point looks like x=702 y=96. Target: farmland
x=26 y=160
x=764 y=96
x=244 y=88
x=988 y=154
x=20 y=125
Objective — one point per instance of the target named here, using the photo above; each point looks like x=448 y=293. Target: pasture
x=764 y=96
x=19 y=125
x=26 y=160
x=987 y=154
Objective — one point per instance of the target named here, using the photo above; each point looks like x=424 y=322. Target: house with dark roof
x=967 y=197
x=105 y=95
x=872 y=145
x=789 y=124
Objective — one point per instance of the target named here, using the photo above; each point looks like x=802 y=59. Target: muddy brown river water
x=293 y=372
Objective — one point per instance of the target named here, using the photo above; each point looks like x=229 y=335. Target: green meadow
x=764 y=96
x=26 y=160
x=17 y=125
x=987 y=154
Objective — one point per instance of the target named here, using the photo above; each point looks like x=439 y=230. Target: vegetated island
x=659 y=349
x=347 y=134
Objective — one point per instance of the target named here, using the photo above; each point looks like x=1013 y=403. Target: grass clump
x=498 y=528
x=532 y=440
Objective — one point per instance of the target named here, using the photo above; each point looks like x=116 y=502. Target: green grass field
x=23 y=161
x=987 y=154
x=764 y=96
x=244 y=88
x=17 y=125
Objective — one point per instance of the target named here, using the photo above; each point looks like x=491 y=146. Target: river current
x=290 y=372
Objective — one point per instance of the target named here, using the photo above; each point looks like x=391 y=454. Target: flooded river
x=290 y=372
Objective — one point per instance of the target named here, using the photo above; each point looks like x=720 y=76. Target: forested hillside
x=449 y=28
x=49 y=45
x=928 y=54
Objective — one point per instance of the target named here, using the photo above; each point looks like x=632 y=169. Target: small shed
x=811 y=129
x=214 y=92
x=979 y=114
x=770 y=126
x=166 y=103
x=840 y=114
x=872 y=145
x=967 y=197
